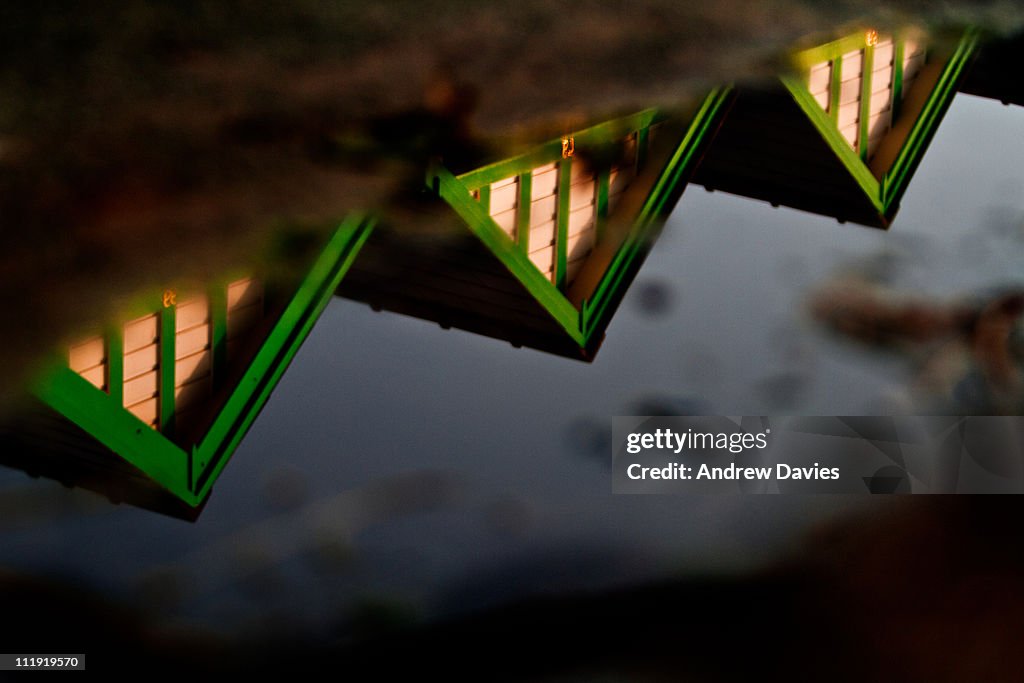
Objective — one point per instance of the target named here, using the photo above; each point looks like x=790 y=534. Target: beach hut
x=844 y=132
x=151 y=411
x=546 y=241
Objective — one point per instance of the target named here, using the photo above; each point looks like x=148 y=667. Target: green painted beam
x=218 y=297
x=835 y=85
x=551 y=150
x=456 y=194
x=603 y=186
x=826 y=127
x=595 y=310
x=190 y=474
x=108 y=422
x=895 y=181
x=524 y=204
x=897 y=76
x=115 y=364
x=864 y=115
x=562 y=218
x=168 y=344
x=485 y=197
x=804 y=59
x=643 y=141
x=884 y=193
x=273 y=357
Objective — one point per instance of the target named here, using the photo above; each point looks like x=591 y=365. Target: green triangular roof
x=187 y=464
x=492 y=278
x=786 y=145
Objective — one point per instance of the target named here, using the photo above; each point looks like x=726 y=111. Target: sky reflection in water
x=442 y=472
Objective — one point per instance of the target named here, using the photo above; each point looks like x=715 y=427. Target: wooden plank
x=191 y=368
x=136 y=363
x=147 y=411
x=504 y=196
x=141 y=388
x=196 y=339
x=87 y=354
x=141 y=332
x=96 y=376
x=192 y=313
x=168 y=353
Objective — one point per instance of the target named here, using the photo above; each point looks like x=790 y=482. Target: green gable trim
x=277 y=351
x=190 y=475
x=583 y=323
x=883 y=194
x=109 y=423
x=609 y=131
x=846 y=154
x=457 y=195
x=832 y=51
x=894 y=182
x=595 y=311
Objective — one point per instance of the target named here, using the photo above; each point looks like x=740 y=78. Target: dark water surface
x=428 y=472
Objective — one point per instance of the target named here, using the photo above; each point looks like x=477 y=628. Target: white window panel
x=141 y=388
x=880 y=101
x=543 y=210
x=89 y=359
x=191 y=313
x=544 y=182
x=87 y=354
x=96 y=376
x=582 y=219
x=852 y=65
x=542 y=236
x=820 y=77
x=884 y=52
x=504 y=195
x=507 y=221
x=141 y=332
x=141 y=361
x=192 y=341
x=192 y=367
x=850 y=133
x=544 y=259
x=849 y=91
x=881 y=79
x=146 y=411
x=849 y=114
x=583 y=193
